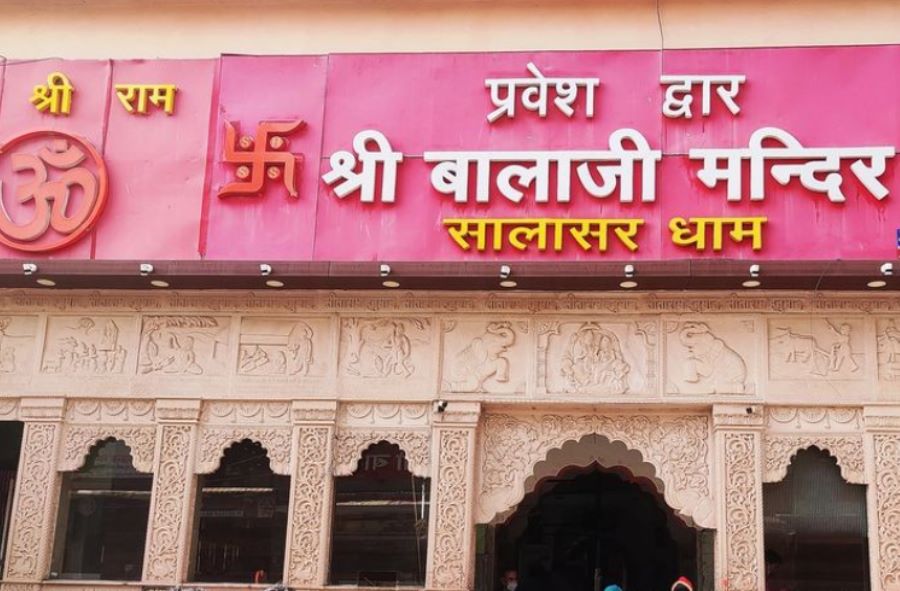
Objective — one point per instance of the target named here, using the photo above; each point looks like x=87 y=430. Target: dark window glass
x=815 y=528
x=10 y=446
x=241 y=519
x=380 y=531
x=103 y=517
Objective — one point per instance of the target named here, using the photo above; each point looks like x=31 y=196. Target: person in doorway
x=683 y=584
x=510 y=580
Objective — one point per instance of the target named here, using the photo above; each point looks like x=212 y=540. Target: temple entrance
x=590 y=527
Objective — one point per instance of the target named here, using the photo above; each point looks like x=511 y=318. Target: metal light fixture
x=384 y=271
x=754 y=277
x=505 y=281
x=29 y=268
x=887 y=270
x=628 y=282
x=265 y=269
x=145 y=269
x=159 y=283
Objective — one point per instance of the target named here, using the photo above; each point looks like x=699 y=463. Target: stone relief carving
x=816 y=418
x=889 y=350
x=215 y=440
x=246 y=413
x=383 y=347
x=677 y=446
x=282 y=347
x=781 y=449
x=742 y=519
x=17 y=335
x=481 y=362
x=27 y=557
x=384 y=415
x=9 y=409
x=593 y=358
x=700 y=361
x=184 y=345
x=451 y=527
x=88 y=345
x=815 y=348
x=350 y=444
x=307 y=506
x=79 y=441
x=887 y=495
x=170 y=491
x=110 y=411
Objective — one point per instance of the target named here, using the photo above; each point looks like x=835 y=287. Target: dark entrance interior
x=592 y=527
x=10 y=445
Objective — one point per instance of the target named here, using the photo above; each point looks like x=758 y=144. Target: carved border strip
x=887 y=495
x=79 y=441
x=351 y=443
x=451 y=498
x=170 y=489
x=308 y=498
x=214 y=440
x=848 y=451
x=742 y=517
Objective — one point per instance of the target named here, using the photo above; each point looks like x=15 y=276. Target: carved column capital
x=314 y=412
x=741 y=417
x=185 y=411
x=42 y=409
x=463 y=414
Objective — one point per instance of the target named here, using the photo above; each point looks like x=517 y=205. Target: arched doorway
x=589 y=527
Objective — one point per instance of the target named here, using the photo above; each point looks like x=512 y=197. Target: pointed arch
x=215 y=440
x=847 y=450
x=351 y=443
x=81 y=440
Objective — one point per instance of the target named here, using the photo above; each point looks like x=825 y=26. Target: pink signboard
x=782 y=153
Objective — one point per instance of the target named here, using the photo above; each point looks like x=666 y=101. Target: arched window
x=103 y=513
x=815 y=528
x=380 y=530
x=241 y=519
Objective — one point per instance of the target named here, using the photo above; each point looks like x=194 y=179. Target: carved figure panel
x=351 y=443
x=599 y=358
x=397 y=349
x=887 y=499
x=677 y=446
x=889 y=349
x=17 y=337
x=185 y=345
x=816 y=348
x=285 y=347
x=384 y=415
x=214 y=441
x=847 y=450
x=485 y=356
x=89 y=345
x=710 y=356
x=78 y=441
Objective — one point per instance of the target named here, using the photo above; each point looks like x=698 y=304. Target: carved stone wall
x=350 y=443
x=214 y=440
x=677 y=445
x=887 y=499
x=30 y=537
x=79 y=440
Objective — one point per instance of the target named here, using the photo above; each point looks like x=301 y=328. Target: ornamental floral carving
x=887 y=495
x=110 y=411
x=384 y=415
x=350 y=444
x=79 y=441
x=246 y=413
x=817 y=418
x=781 y=449
x=742 y=519
x=308 y=498
x=27 y=553
x=170 y=493
x=677 y=446
x=214 y=441
x=451 y=527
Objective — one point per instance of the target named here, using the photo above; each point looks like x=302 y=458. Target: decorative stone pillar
x=33 y=517
x=167 y=551
x=883 y=463
x=309 y=512
x=451 y=540
x=738 y=430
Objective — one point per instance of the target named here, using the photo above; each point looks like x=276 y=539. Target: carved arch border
x=80 y=440
x=277 y=442
x=848 y=450
x=351 y=443
x=677 y=446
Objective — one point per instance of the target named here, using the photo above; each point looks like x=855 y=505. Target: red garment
x=683 y=584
